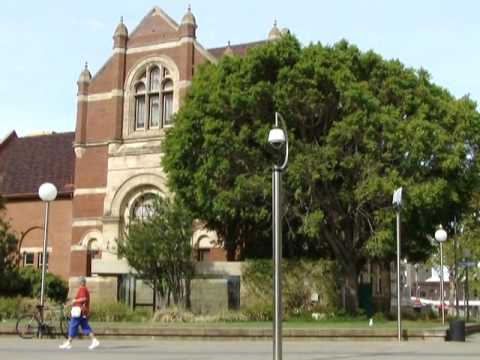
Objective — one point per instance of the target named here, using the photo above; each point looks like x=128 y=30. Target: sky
x=45 y=43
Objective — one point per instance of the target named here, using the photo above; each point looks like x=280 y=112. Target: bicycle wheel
x=27 y=326
x=64 y=322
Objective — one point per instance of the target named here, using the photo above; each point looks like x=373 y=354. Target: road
x=12 y=348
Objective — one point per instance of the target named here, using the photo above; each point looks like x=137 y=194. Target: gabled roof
x=27 y=162
x=240 y=49
x=154 y=24
x=156 y=11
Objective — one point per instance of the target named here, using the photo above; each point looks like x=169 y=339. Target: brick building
x=107 y=171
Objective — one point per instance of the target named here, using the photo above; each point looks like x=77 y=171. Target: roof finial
x=188 y=18
x=121 y=29
x=275 y=32
x=85 y=75
x=228 y=50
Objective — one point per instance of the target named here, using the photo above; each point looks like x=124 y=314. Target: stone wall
x=102 y=289
x=209 y=296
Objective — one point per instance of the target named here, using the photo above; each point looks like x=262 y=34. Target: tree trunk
x=351 y=288
x=231 y=251
x=231 y=243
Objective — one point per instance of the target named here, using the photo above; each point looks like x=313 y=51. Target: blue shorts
x=79 y=321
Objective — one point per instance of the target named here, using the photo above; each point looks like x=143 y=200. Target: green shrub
x=380 y=317
x=260 y=311
x=56 y=288
x=116 y=311
x=231 y=316
x=173 y=314
x=177 y=314
x=12 y=307
x=9 y=307
x=13 y=284
x=428 y=313
x=27 y=282
x=300 y=280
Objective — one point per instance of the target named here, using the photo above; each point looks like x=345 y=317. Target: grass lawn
x=325 y=324
x=292 y=324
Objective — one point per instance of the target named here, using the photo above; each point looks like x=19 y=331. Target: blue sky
x=44 y=44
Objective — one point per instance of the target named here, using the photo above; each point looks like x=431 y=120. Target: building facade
x=111 y=165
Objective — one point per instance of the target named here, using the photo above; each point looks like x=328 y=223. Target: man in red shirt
x=80 y=310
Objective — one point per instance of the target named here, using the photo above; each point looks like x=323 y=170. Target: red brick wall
x=91 y=169
x=217 y=254
x=78 y=263
x=88 y=206
x=24 y=215
x=101 y=121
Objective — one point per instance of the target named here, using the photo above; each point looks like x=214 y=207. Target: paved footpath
x=12 y=348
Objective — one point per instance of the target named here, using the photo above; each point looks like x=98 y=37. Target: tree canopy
x=8 y=244
x=359 y=127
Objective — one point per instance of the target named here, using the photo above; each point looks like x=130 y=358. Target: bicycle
x=32 y=325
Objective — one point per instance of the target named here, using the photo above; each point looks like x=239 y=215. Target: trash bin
x=457 y=330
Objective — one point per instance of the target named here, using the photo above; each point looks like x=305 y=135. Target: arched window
x=154 y=116
x=167 y=99
x=140 y=106
x=93 y=252
x=153 y=99
x=143 y=208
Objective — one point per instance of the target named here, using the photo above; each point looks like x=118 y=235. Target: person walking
x=80 y=311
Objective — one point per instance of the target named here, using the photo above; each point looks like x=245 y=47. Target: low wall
x=218 y=268
x=102 y=289
x=209 y=296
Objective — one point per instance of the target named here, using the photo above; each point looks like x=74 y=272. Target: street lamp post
x=441 y=237
x=467 y=263
x=47 y=192
x=277 y=138
x=467 y=317
x=397 y=203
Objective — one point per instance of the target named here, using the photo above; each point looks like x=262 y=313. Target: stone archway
x=93 y=252
x=115 y=203
x=92 y=243
x=203 y=242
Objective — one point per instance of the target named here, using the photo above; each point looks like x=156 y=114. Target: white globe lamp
x=441 y=235
x=47 y=192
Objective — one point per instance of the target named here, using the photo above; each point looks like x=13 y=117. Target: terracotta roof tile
x=27 y=162
x=240 y=49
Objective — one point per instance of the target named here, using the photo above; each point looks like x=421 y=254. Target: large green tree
x=9 y=279
x=8 y=244
x=159 y=249
x=359 y=127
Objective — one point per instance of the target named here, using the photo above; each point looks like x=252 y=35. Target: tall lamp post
x=467 y=263
x=47 y=192
x=277 y=138
x=397 y=204
x=441 y=237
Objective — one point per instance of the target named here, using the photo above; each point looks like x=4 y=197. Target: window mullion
x=147 y=99
x=161 y=122
x=147 y=109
